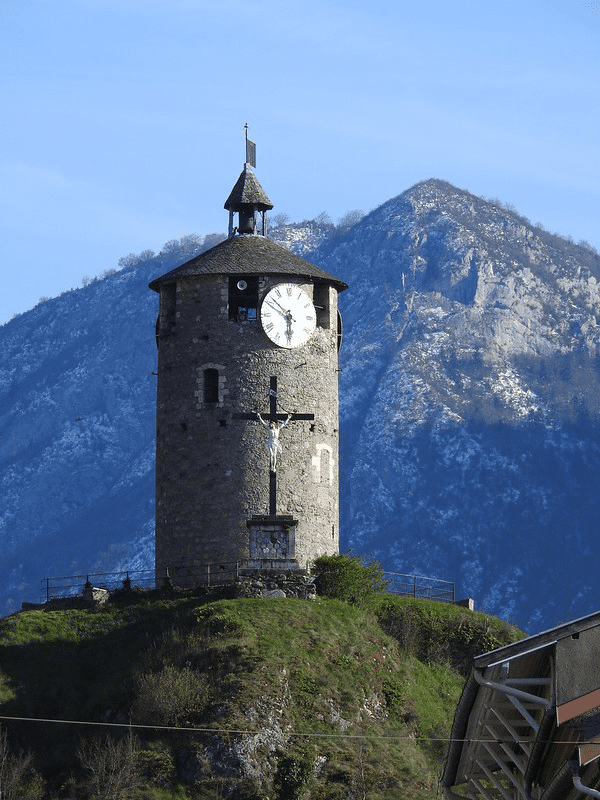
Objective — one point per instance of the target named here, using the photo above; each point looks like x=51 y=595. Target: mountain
x=77 y=427
x=470 y=400
x=469 y=408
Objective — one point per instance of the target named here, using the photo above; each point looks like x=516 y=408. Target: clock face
x=288 y=315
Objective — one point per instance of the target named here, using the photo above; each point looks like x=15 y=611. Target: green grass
x=348 y=699
x=441 y=632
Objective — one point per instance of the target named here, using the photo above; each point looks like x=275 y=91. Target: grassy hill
x=210 y=697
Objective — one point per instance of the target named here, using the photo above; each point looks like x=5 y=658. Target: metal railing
x=53 y=588
x=217 y=574
x=420 y=586
x=223 y=574
x=71 y=585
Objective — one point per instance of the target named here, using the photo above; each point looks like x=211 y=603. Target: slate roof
x=248 y=191
x=248 y=255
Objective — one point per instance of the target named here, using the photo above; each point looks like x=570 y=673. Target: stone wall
x=276 y=584
x=212 y=472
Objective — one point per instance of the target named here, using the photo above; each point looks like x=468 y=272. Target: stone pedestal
x=272 y=542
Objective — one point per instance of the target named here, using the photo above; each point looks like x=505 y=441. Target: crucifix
x=274 y=421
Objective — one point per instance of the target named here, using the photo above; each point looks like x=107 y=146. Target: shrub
x=293 y=773
x=451 y=636
x=348 y=577
x=172 y=696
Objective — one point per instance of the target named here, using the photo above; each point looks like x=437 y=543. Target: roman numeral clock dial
x=288 y=315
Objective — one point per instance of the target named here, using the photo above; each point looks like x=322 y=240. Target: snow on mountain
x=469 y=403
x=301 y=237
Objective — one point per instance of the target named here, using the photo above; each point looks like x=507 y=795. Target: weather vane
x=250 y=150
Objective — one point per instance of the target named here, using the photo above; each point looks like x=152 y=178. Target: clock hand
x=278 y=310
x=288 y=329
x=281 y=309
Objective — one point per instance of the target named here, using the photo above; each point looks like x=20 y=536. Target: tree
x=18 y=779
x=211 y=239
x=277 y=220
x=349 y=219
x=323 y=220
x=111 y=765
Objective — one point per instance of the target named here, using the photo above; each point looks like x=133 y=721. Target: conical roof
x=248 y=255
x=248 y=191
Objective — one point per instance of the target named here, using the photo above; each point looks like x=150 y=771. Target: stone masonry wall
x=213 y=469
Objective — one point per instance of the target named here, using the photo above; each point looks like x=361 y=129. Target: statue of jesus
x=273 y=443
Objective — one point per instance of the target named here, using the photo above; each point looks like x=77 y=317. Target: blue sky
x=122 y=121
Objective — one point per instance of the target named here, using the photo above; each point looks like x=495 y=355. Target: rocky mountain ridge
x=469 y=400
x=469 y=408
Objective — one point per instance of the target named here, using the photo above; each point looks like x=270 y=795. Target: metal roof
x=528 y=722
x=248 y=255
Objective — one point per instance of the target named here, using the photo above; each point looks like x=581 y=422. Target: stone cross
x=273 y=416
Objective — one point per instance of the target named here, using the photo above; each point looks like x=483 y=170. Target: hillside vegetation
x=211 y=697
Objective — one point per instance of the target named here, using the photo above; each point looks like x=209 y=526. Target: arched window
x=211 y=385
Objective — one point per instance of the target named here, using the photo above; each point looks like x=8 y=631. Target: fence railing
x=53 y=588
x=69 y=585
x=220 y=574
x=420 y=586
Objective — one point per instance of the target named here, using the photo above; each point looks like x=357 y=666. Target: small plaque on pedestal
x=272 y=541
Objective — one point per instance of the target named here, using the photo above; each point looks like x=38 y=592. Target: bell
x=246 y=221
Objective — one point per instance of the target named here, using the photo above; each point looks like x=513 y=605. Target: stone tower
x=247 y=404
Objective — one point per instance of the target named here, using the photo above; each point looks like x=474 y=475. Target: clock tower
x=247 y=404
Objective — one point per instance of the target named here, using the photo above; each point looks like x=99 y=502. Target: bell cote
x=249 y=201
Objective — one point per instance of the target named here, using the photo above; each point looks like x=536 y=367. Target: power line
x=180 y=729
x=309 y=734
